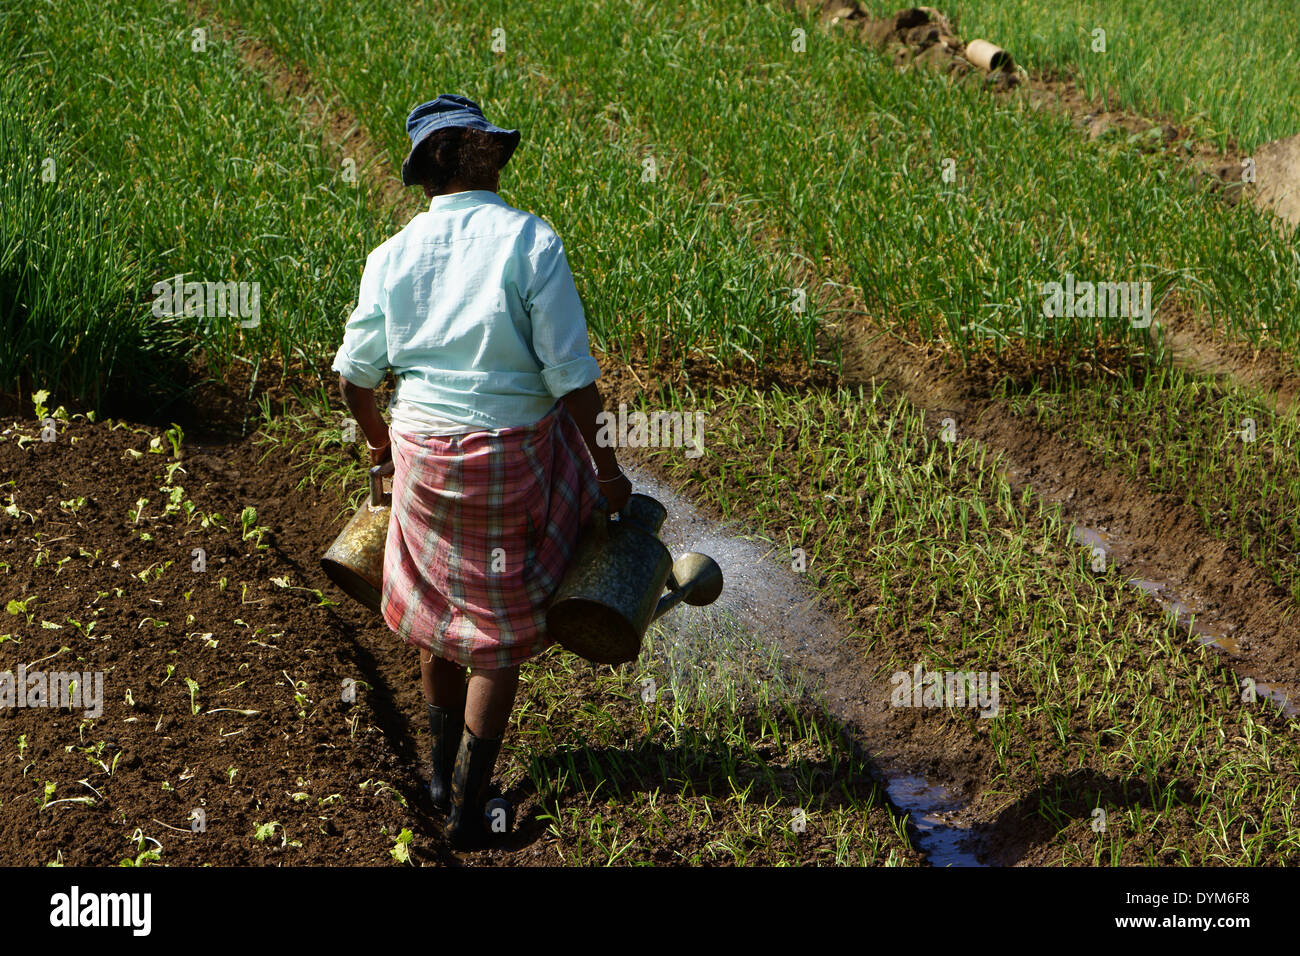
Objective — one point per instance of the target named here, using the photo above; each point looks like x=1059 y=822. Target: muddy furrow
x=345 y=134
x=1152 y=538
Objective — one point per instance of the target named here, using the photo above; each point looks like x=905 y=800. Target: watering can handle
x=598 y=524
x=377 y=474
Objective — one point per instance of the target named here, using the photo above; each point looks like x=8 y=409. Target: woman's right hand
x=616 y=491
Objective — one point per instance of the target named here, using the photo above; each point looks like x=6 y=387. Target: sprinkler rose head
x=448 y=110
x=699 y=576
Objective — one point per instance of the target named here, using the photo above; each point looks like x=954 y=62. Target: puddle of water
x=926 y=805
x=766 y=597
x=1213 y=635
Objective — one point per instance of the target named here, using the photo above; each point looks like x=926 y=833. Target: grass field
x=841 y=264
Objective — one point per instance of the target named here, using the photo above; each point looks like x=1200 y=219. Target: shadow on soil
x=1040 y=815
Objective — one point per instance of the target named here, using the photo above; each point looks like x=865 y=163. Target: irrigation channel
x=766 y=598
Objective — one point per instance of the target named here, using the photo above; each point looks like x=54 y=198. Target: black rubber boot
x=445 y=727
x=474 y=764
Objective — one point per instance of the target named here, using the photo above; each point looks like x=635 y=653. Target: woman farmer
x=493 y=437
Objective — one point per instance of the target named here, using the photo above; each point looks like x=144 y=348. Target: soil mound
x=919 y=36
x=1277 y=178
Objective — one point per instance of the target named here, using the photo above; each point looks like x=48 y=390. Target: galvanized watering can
x=615 y=585
x=612 y=591
x=355 y=561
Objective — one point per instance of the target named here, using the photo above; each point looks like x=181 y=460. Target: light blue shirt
x=474 y=308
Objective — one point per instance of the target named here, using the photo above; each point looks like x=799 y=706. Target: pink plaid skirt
x=483 y=528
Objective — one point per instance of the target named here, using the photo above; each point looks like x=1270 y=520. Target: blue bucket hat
x=448 y=110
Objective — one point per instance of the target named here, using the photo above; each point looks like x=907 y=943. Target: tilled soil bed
x=266 y=736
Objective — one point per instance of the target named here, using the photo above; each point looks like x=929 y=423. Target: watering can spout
x=695 y=578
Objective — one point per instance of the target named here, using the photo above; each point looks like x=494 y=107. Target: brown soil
x=171 y=761
x=1277 y=178
x=915 y=37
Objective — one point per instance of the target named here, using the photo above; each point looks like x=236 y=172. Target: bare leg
x=443 y=680
x=491 y=696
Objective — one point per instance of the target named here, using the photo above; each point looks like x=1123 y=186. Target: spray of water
x=763 y=627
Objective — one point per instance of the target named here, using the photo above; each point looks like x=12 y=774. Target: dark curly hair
x=472 y=156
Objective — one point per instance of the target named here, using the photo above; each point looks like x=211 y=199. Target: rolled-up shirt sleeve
x=362 y=359
x=559 y=323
